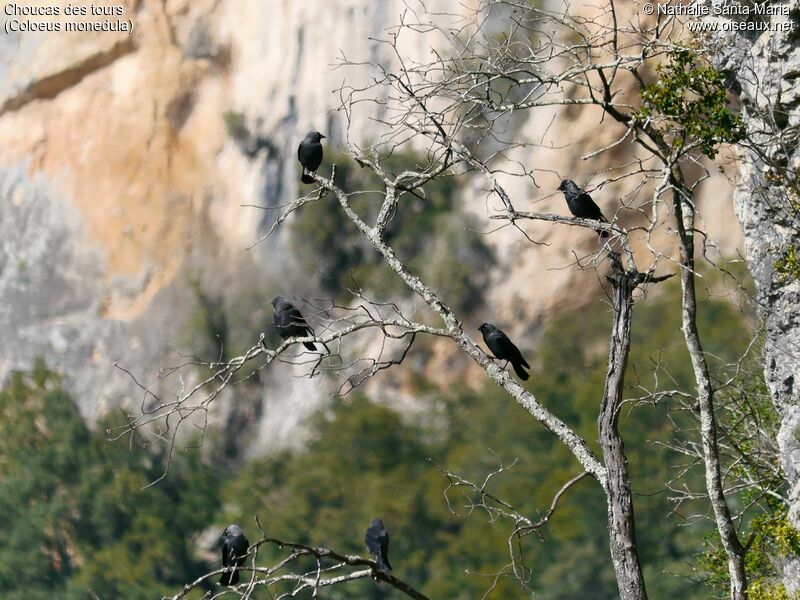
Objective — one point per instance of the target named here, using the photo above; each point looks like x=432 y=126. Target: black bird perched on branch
x=290 y=322
x=309 y=153
x=581 y=204
x=234 y=552
x=377 y=541
x=504 y=349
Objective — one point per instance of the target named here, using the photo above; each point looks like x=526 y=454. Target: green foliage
x=689 y=102
x=40 y=516
x=74 y=512
x=225 y=320
x=207 y=324
x=428 y=233
x=748 y=417
x=788 y=265
x=236 y=126
x=774 y=539
x=760 y=590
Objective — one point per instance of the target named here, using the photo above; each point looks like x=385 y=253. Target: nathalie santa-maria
x=723 y=9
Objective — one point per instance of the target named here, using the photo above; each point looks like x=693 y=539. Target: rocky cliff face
x=121 y=182
x=766 y=72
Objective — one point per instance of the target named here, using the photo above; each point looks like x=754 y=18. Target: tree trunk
x=621 y=523
x=705 y=397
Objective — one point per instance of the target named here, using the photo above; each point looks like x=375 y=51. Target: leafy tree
x=76 y=517
x=751 y=423
x=689 y=99
x=41 y=435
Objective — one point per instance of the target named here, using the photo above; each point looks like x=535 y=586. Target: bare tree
x=505 y=59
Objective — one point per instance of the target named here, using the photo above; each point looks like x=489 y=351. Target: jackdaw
x=234 y=552
x=290 y=322
x=581 y=204
x=309 y=153
x=377 y=541
x=504 y=349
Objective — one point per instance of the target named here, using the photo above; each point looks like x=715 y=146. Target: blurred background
x=137 y=171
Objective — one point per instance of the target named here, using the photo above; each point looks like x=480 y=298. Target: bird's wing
x=385 y=549
x=591 y=207
x=297 y=318
x=241 y=551
x=508 y=348
x=225 y=554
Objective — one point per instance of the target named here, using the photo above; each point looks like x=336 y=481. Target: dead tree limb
x=621 y=523
x=324 y=575
x=735 y=551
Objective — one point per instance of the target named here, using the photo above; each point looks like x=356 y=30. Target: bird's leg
x=505 y=366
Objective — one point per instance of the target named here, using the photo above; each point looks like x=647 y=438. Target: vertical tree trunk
x=705 y=397
x=621 y=524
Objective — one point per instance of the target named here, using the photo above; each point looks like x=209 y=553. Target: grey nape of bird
x=309 y=153
x=504 y=349
x=290 y=322
x=234 y=553
x=377 y=540
x=581 y=204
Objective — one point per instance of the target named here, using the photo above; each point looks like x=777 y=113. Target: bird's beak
x=322 y=136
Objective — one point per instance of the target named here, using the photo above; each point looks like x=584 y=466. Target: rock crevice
x=50 y=86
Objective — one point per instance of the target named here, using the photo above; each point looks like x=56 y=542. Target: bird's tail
x=308 y=331
x=383 y=563
x=306 y=178
x=520 y=371
x=229 y=577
